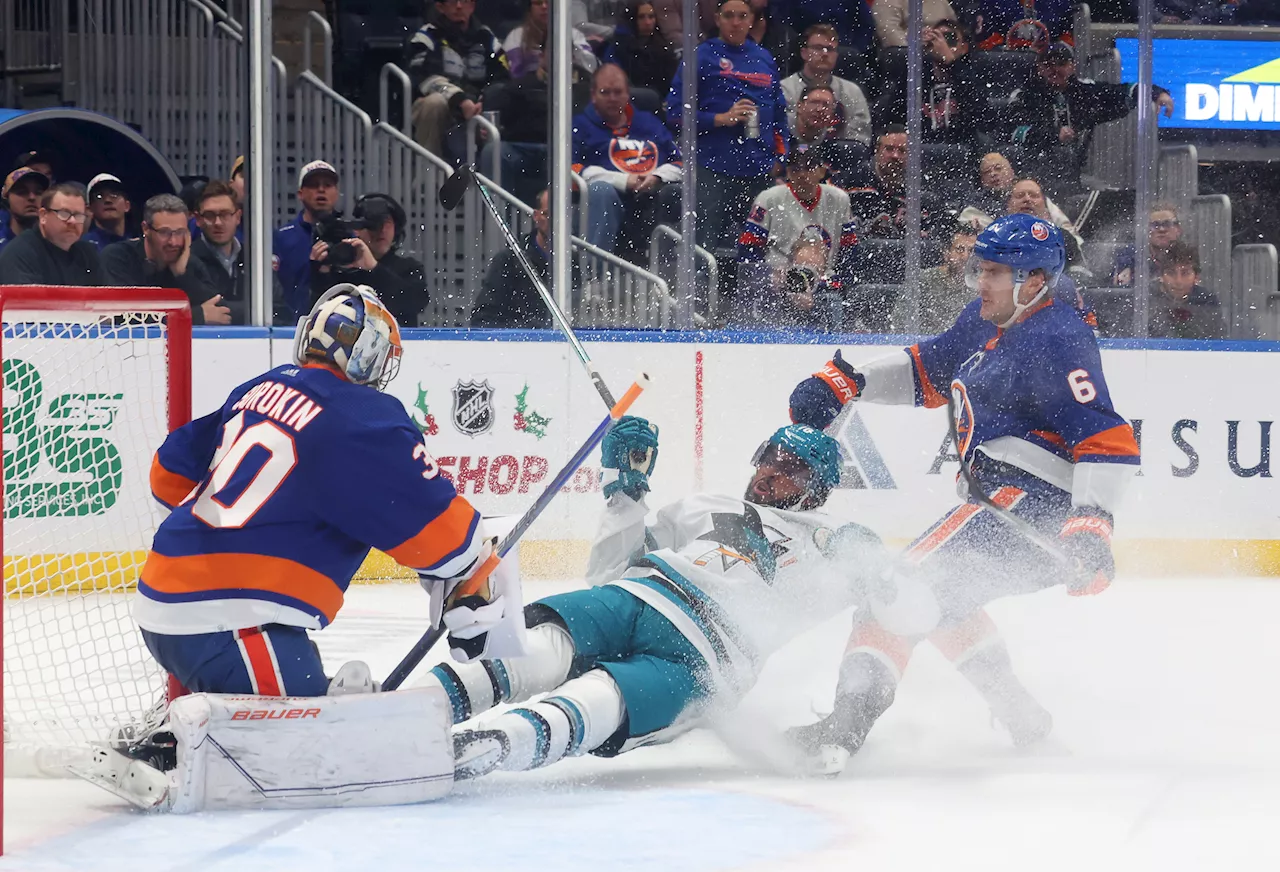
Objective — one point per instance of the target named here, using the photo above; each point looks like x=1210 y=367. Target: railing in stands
x=328 y=126
x=391 y=71
x=665 y=265
x=1255 y=292
x=316 y=20
x=32 y=35
x=1179 y=176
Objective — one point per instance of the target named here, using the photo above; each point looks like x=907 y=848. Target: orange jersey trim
x=443 y=534
x=958 y=641
x=169 y=487
x=1005 y=497
x=870 y=636
x=932 y=399
x=1050 y=436
x=205 y=573
x=1116 y=442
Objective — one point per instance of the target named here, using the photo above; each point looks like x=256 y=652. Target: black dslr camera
x=336 y=230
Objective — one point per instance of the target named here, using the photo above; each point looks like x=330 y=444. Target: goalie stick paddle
x=477 y=581
x=451 y=194
x=977 y=493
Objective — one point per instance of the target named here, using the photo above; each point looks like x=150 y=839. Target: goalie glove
x=1086 y=538
x=628 y=454
x=818 y=399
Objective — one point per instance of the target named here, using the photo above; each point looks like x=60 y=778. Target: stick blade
x=455 y=187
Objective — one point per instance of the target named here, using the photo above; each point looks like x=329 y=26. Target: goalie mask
x=349 y=329
x=796 y=468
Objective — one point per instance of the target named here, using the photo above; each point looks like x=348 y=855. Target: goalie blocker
x=238 y=752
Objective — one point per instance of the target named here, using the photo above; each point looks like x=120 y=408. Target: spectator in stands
x=237 y=180
x=1180 y=307
x=780 y=219
x=1013 y=24
x=525 y=45
x=879 y=199
x=943 y=292
x=853 y=23
x=989 y=199
x=22 y=191
x=318 y=192
x=771 y=32
x=1163 y=229
x=742 y=122
x=162 y=258
x=375 y=260
x=819 y=51
x=1027 y=197
x=1054 y=113
x=522 y=119
x=815 y=114
x=954 y=97
x=109 y=205
x=891 y=18
x=507 y=297
x=642 y=48
x=219 y=249
x=52 y=252
x=629 y=161
x=451 y=60
x=40 y=160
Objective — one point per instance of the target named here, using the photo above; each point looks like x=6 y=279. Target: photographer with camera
x=364 y=250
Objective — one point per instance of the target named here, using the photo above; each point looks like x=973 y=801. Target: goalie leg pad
x=323 y=752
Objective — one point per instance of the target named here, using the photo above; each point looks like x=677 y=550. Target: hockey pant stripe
x=954 y=521
x=961 y=641
x=260 y=662
x=542 y=735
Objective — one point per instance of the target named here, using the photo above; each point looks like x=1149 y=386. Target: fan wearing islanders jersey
x=1038 y=430
x=629 y=161
x=276 y=500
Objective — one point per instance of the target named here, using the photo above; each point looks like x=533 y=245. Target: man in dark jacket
x=879 y=198
x=451 y=60
x=162 y=259
x=377 y=262
x=954 y=98
x=1054 y=114
x=507 y=297
x=219 y=250
x=52 y=252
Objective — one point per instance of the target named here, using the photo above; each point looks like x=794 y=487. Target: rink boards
x=504 y=410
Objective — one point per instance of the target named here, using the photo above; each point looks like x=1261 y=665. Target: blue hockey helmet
x=1023 y=243
x=351 y=330
x=819 y=454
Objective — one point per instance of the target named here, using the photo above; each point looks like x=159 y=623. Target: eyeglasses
x=166 y=234
x=823 y=49
x=68 y=215
x=1165 y=225
x=215 y=217
x=735 y=16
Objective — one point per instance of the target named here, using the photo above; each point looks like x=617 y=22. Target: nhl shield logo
x=473 y=407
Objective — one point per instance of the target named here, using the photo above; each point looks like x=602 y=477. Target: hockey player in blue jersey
x=276 y=499
x=683 y=613
x=1039 y=432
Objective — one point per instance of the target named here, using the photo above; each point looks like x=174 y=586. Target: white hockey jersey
x=779 y=219
x=738 y=580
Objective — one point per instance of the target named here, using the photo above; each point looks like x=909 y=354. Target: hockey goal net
x=93 y=380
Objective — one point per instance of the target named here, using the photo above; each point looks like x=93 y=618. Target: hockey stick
x=976 y=491
x=451 y=194
x=481 y=577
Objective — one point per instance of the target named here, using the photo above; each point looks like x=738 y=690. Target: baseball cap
x=1059 y=53
x=237 y=165
x=104 y=179
x=27 y=158
x=316 y=166
x=22 y=173
x=803 y=154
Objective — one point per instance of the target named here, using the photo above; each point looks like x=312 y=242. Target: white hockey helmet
x=349 y=329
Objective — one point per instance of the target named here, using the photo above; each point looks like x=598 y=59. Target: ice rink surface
x=1165 y=756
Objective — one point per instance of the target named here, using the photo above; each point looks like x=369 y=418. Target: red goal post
x=93 y=379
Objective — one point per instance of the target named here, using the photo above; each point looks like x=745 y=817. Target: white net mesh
x=85 y=407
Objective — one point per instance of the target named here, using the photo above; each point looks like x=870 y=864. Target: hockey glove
x=818 y=399
x=1086 y=538
x=628 y=454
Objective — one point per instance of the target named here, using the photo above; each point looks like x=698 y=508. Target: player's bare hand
x=215 y=313
x=364 y=257
x=1165 y=102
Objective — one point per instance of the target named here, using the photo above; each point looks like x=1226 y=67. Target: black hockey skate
x=478 y=752
x=825 y=747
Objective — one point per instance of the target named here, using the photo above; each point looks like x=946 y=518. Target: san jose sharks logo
x=743 y=538
x=473 y=407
